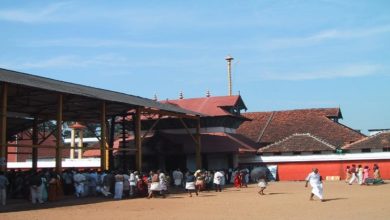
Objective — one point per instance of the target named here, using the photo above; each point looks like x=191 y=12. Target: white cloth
x=163 y=184
x=36 y=194
x=353 y=178
x=118 y=190
x=132 y=179
x=177 y=177
x=190 y=185
x=218 y=178
x=262 y=183
x=316 y=184
x=79 y=182
x=155 y=186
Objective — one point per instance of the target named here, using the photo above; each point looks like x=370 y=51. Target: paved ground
x=284 y=200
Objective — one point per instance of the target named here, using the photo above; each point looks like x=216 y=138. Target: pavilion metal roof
x=34 y=96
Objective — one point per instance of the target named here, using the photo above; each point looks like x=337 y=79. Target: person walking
x=365 y=174
x=35 y=188
x=315 y=180
x=118 y=186
x=218 y=179
x=190 y=183
x=348 y=174
x=360 y=171
x=353 y=174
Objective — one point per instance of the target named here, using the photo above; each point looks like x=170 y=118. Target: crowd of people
x=361 y=175
x=46 y=185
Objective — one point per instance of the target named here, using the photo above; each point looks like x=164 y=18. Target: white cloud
x=92 y=43
x=355 y=70
x=326 y=35
x=35 y=15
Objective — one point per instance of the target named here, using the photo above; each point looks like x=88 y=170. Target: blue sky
x=288 y=54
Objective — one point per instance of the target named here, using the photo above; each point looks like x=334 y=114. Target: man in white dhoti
x=79 y=182
x=218 y=180
x=315 y=181
x=132 y=183
x=177 y=178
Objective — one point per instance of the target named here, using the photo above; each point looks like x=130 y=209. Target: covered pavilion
x=26 y=101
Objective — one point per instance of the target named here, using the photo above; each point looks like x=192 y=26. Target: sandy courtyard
x=284 y=200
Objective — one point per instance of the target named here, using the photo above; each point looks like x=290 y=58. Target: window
x=366 y=150
x=277 y=153
x=317 y=152
x=296 y=153
x=386 y=149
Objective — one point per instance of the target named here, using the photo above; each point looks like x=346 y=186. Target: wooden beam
x=198 y=156
x=3 y=127
x=59 y=134
x=35 y=142
x=188 y=131
x=111 y=143
x=150 y=129
x=137 y=139
x=163 y=112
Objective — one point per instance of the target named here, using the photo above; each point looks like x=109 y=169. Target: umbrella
x=259 y=172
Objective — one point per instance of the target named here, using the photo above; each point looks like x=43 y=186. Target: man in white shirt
x=315 y=180
x=132 y=183
x=218 y=179
x=79 y=181
x=177 y=177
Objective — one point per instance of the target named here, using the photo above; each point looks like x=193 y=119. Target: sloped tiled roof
x=269 y=127
x=378 y=141
x=298 y=143
x=210 y=106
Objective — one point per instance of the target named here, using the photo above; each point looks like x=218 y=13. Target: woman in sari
x=237 y=180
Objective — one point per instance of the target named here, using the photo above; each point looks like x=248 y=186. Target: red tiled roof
x=210 y=106
x=269 y=127
x=298 y=143
x=377 y=141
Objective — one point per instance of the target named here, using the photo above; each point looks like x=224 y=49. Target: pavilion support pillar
x=122 y=154
x=35 y=142
x=198 y=155
x=111 y=142
x=3 y=127
x=104 y=163
x=137 y=139
x=59 y=134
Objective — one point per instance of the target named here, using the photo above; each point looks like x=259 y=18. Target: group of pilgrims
x=361 y=175
x=46 y=185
